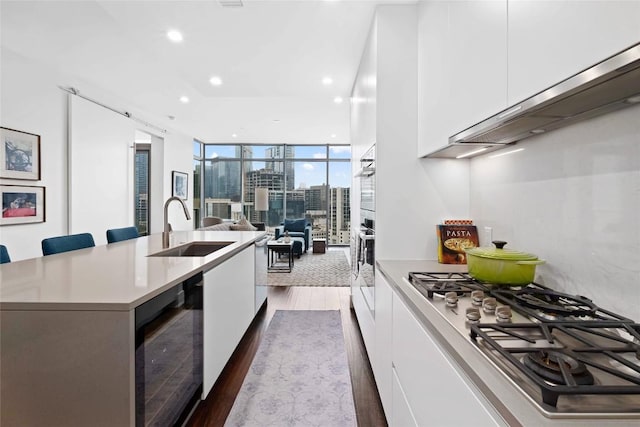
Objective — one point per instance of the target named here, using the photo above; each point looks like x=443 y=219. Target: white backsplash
x=572 y=197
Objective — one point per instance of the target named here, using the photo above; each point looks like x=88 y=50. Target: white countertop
x=512 y=405
x=117 y=276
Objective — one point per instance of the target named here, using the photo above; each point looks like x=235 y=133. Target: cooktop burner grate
x=440 y=283
x=583 y=358
x=545 y=304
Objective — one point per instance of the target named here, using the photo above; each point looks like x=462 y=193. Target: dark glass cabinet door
x=169 y=354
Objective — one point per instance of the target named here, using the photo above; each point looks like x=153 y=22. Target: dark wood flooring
x=214 y=410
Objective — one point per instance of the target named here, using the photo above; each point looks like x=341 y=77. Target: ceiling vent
x=230 y=3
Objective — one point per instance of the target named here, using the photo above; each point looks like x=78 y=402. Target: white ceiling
x=271 y=55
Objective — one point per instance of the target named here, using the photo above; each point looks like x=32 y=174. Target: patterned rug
x=299 y=376
x=328 y=269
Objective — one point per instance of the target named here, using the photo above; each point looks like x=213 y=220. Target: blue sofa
x=297 y=228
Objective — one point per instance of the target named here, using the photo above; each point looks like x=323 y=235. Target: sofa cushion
x=295 y=224
x=225 y=226
x=243 y=225
x=295 y=234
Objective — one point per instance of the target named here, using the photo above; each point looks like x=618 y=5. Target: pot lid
x=500 y=253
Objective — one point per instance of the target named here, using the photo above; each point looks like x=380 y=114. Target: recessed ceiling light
x=327 y=81
x=333 y=135
x=337 y=100
x=174 y=35
x=276 y=120
x=215 y=80
x=234 y=135
x=184 y=99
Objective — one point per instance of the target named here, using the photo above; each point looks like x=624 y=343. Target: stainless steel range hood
x=607 y=86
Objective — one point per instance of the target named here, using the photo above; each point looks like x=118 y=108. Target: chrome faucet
x=167 y=230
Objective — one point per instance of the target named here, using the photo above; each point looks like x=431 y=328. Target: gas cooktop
x=566 y=354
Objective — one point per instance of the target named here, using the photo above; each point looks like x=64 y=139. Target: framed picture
x=180 y=184
x=22 y=204
x=19 y=155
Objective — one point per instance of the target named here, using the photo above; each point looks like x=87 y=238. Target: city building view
x=301 y=181
x=142 y=161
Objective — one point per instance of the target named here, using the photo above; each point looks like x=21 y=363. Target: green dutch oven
x=502 y=266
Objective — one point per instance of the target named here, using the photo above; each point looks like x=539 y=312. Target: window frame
x=283 y=158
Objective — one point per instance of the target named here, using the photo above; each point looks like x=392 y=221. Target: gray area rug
x=328 y=269
x=299 y=376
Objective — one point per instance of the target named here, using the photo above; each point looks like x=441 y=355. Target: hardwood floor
x=214 y=410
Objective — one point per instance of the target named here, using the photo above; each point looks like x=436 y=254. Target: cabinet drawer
x=434 y=389
x=402 y=415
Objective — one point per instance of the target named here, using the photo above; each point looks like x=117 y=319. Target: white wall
x=413 y=195
x=178 y=156
x=573 y=198
x=31 y=101
x=363 y=117
x=157 y=184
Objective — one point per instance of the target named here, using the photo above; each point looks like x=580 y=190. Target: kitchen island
x=418 y=392
x=68 y=323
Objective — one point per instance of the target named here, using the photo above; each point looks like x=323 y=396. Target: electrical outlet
x=488 y=235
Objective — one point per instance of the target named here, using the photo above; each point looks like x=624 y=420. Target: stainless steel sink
x=193 y=249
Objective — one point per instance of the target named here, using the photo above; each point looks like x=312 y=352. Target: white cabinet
x=417 y=383
x=433 y=79
x=229 y=303
x=261 y=287
x=550 y=41
x=365 y=319
x=363 y=101
x=478 y=57
x=462 y=54
x=402 y=415
x=477 y=61
x=433 y=388
x=383 y=326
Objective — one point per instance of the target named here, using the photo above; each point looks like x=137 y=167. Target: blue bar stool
x=56 y=245
x=4 y=254
x=120 y=234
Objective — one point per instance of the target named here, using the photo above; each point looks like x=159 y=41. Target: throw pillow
x=295 y=225
x=243 y=225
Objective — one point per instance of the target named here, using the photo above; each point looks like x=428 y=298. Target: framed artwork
x=180 y=184
x=19 y=155
x=22 y=204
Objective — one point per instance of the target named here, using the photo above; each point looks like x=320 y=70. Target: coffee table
x=277 y=248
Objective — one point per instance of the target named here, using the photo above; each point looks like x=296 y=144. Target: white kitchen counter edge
x=15 y=275
x=503 y=395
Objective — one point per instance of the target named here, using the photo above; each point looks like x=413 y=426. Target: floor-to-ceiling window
x=222 y=179
x=198 y=148
x=141 y=191
x=339 y=181
x=264 y=168
x=310 y=196
x=298 y=180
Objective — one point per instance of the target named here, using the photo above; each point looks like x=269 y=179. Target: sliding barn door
x=101 y=157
